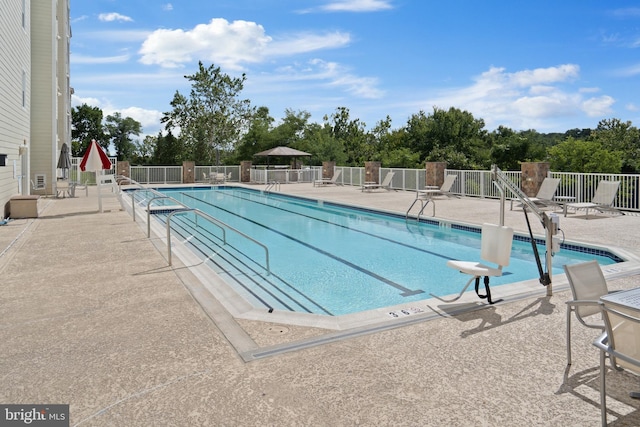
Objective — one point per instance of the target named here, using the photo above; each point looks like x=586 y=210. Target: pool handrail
x=220 y=224
x=161 y=196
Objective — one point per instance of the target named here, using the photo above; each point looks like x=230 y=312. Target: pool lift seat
x=495 y=247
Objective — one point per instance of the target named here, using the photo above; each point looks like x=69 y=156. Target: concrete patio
x=92 y=316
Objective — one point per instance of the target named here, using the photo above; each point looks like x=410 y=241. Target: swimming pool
x=330 y=259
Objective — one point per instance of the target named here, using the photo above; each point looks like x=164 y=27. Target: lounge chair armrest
x=583 y=302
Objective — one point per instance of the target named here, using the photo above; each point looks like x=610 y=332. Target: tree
x=614 y=135
x=167 y=151
x=213 y=117
x=574 y=155
x=86 y=124
x=320 y=143
x=350 y=133
x=119 y=131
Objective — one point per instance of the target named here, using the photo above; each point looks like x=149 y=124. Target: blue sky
x=547 y=65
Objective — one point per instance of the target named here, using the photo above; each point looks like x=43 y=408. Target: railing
x=285 y=176
x=179 y=207
x=471 y=183
x=218 y=223
x=273 y=185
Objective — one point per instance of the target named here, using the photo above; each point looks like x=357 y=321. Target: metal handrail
x=272 y=185
x=220 y=224
x=151 y=200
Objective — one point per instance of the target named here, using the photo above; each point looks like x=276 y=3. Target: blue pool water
x=330 y=259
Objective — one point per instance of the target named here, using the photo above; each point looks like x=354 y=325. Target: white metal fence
x=472 y=183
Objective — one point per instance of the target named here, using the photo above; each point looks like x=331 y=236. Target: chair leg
x=568 y=335
x=603 y=392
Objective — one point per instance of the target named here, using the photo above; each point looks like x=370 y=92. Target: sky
x=546 y=65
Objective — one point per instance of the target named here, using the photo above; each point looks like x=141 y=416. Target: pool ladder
x=272 y=185
x=424 y=200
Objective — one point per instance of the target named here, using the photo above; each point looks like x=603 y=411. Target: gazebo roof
x=282 y=151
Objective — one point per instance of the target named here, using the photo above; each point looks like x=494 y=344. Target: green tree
x=348 y=132
x=510 y=148
x=615 y=135
x=257 y=138
x=167 y=150
x=144 y=150
x=574 y=155
x=213 y=118
x=86 y=124
x=320 y=143
x=119 y=130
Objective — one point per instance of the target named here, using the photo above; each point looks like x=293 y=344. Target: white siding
x=15 y=61
x=44 y=84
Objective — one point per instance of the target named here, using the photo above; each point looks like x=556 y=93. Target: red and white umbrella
x=94 y=158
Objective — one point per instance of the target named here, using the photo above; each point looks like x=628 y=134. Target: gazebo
x=281 y=151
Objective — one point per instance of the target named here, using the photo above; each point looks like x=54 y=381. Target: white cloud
x=598 y=107
x=352 y=6
x=167 y=7
x=77 y=101
x=632 y=107
x=149 y=119
x=316 y=77
x=113 y=16
x=631 y=71
x=528 y=99
x=82 y=59
x=228 y=44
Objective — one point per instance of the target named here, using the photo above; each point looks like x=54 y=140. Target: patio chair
x=602 y=200
x=444 y=190
x=386 y=183
x=587 y=286
x=544 y=197
x=64 y=188
x=621 y=341
x=217 y=178
x=40 y=184
x=325 y=181
x=495 y=247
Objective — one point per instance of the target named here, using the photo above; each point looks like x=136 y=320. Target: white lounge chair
x=545 y=194
x=444 y=190
x=602 y=201
x=621 y=341
x=386 y=183
x=587 y=286
x=325 y=181
x=495 y=247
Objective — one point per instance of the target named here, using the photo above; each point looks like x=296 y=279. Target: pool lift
x=549 y=222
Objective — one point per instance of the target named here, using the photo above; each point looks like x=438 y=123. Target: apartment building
x=35 y=101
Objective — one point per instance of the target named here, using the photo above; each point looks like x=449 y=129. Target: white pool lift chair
x=495 y=247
